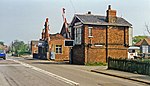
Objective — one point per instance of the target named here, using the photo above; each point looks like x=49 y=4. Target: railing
x=134 y=66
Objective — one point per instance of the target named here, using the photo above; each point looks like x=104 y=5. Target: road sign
x=69 y=43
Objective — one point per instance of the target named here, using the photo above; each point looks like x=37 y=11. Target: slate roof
x=63 y=29
x=148 y=40
x=100 y=20
x=56 y=36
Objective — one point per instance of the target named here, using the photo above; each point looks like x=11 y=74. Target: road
x=30 y=72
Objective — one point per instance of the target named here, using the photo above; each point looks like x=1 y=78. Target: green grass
x=96 y=64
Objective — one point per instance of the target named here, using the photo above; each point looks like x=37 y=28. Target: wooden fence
x=133 y=66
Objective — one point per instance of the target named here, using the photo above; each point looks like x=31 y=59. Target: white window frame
x=58 y=49
x=90 y=31
x=78 y=35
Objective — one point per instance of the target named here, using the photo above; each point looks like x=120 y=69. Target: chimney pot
x=46 y=19
x=109 y=7
x=111 y=15
x=89 y=12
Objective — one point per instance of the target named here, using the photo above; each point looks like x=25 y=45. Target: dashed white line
x=47 y=73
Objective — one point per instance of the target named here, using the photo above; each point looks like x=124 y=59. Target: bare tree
x=147 y=28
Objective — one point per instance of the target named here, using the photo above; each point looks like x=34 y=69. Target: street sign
x=41 y=43
x=69 y=43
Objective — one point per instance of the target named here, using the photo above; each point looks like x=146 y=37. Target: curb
x=142 y=81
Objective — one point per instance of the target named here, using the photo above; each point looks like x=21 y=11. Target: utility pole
x=12 y=48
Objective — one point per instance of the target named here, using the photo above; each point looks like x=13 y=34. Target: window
x=145 y=49
x=90 y=31
x=58 y=49
x=78 y=35
x=131 y=51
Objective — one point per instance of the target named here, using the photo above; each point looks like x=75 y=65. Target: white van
x=133 y=52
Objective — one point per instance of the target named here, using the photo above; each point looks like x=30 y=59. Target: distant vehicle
x=133 y=52
x=3 y=54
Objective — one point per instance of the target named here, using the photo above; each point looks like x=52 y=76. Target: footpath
x=124 y=75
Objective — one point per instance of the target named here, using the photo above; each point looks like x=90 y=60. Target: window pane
x=78 y=36
x=60 y=51
x=145 y=49
x=90 y=31
x=58 y=48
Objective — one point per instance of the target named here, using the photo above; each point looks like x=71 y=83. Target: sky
x=24 y=19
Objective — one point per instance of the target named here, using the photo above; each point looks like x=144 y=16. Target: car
x=3 y=54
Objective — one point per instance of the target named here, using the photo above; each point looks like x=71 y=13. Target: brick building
x=59 y=51
x=34 y=47
x=98 y=37
x=144 y=45
x=51 y=46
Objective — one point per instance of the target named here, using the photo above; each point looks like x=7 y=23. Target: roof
x=147 y=40
x=139 y=43
x=63 y=29
x=56 y=36
x=100 y=20
x=134 y=47
x=34 y=42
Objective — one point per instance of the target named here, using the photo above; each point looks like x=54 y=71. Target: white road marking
x=48 y=73
x=9 y=65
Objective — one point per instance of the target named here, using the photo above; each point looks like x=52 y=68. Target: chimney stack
x=111 y=15
x=46 y=29
x=43 y=34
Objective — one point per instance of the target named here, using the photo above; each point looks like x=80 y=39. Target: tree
x=1 y=43
x=19 y=47
x=147 y=28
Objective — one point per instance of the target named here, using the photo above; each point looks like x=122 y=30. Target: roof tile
x=100 y=20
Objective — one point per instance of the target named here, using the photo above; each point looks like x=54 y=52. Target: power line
x=73 y=6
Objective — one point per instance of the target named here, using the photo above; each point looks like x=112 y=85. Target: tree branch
x=147 y=28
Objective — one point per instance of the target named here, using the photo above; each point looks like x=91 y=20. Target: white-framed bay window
x=78 y=35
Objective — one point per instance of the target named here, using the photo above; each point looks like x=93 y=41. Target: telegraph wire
x=73 y=6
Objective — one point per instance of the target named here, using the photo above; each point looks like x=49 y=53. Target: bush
x=24 y=53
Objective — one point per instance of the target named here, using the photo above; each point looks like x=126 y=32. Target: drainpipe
x=107 y=42
x=125 y=37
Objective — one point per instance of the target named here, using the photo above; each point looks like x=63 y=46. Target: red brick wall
x=95 y=55
x=59 y=40
x=116 y=48
x=34 y=47
x=116 y=40
x=117 y=53
x=78 y=55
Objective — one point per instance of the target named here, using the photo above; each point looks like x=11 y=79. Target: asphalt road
x=31 y=72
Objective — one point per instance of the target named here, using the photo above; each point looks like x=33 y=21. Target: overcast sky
x=24 y=19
